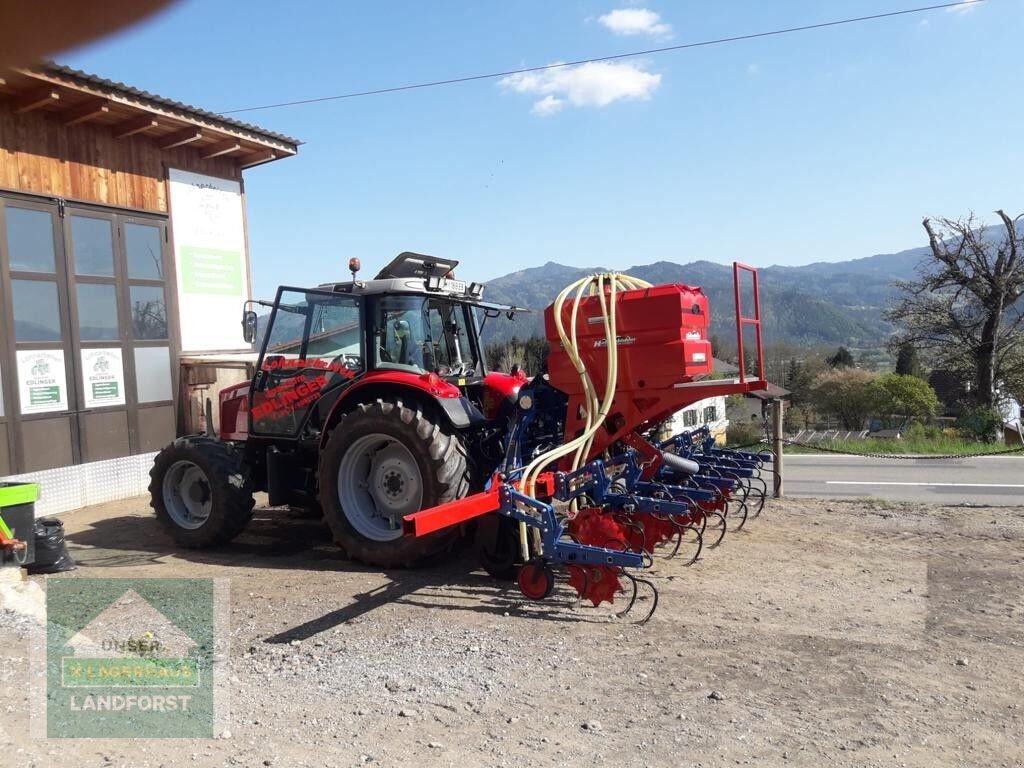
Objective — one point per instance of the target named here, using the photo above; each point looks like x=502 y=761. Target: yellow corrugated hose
x=595 y=410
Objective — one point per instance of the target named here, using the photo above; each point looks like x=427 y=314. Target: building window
x=36 y=310
x=97 y=312
x=92 y=245
x=142 y=246
x=710 y=414
x=689 y=418
x=149 y=313
x=30 y=240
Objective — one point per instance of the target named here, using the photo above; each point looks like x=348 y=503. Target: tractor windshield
x=421 y=335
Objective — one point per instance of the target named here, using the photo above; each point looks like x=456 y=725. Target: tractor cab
x=411 y=332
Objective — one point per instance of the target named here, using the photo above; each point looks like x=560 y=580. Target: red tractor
x=371 y=402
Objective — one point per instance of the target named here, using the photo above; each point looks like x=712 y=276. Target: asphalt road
x=996 y=480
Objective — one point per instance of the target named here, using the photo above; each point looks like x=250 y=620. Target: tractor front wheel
x=199 y=492
x=385 y=460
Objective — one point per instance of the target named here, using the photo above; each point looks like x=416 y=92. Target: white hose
x=595 y=410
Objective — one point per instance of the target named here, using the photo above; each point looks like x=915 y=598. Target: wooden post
x=777 y=406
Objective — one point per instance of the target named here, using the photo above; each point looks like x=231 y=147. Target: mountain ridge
x=821 y=303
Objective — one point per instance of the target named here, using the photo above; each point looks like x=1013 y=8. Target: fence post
x=777 y=406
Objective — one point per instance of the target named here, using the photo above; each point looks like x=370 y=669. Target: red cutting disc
x=597 y=583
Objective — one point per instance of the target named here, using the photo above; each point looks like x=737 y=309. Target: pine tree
x=907 y=362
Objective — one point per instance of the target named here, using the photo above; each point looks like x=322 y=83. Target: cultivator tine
x=720 y=525
x=682 y=529
x=635 y=585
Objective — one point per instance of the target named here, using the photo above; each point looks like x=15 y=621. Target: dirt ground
x=842 y=633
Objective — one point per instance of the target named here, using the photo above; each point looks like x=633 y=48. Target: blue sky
x=818 y=146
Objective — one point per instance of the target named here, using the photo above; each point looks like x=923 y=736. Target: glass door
x=85 y=345
x=42 y=372
x=97 y=338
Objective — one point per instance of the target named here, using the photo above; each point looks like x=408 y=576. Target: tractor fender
x=427 y=389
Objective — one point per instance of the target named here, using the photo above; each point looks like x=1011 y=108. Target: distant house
x=708 y=412
x=756 y=406
x=953 y=390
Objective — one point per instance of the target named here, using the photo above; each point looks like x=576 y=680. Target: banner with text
x=102 y=377
x=42 y=381
x=209 y=249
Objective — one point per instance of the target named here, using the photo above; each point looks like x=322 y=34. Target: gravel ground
x=846 y=633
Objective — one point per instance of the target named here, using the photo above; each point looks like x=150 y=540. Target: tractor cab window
x=313 y=342
x=420 y=335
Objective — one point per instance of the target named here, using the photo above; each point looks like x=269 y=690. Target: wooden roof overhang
x=74 y=97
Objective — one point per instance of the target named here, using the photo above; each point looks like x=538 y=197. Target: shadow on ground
x=276 y=540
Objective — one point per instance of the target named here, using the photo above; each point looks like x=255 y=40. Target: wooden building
x=122 y=249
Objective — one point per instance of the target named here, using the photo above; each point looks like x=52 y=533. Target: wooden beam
x=35 y=99
x=134 y=125
x=86 y=111
x=180 y=138
x=225 y=147
x=257 y=158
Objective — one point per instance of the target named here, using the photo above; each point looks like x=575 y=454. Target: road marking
x=944 y=485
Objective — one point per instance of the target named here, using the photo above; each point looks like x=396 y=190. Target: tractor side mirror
x=249 y=322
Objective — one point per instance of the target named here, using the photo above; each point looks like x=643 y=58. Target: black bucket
x=51 y=553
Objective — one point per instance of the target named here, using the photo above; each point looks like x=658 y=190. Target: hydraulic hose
x=607 y=285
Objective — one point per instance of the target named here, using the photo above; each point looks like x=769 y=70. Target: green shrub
x=980 y=422
x=744 y=434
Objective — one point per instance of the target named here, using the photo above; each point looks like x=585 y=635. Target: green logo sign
x=43 y=395
x=209 y=270
x=129 y=658
x=104 y=390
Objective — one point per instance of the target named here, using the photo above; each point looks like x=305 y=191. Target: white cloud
x=635 y=21
x=549 y=105
x=596 y=84
x=961 y=8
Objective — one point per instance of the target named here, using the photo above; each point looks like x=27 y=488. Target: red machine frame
x=633 y=411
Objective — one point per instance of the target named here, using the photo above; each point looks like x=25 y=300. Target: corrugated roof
x=54 y=69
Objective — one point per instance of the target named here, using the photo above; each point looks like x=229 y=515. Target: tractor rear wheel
x=385 y=460
x=199 y=493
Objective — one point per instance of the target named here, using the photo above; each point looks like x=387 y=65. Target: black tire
x=497 y=546
x=440 y=458
x=229 y=488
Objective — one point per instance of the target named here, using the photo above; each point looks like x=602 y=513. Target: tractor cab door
x=312 y=348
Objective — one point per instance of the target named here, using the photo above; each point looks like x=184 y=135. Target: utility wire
x=614 y=57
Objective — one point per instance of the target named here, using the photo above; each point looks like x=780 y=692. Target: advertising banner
x=209 y=250
x=102 y=377
x=42 y=382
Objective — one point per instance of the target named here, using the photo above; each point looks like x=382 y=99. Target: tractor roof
x=457 y=289
x=414 y=273
x=419 y=274
x=409 y=264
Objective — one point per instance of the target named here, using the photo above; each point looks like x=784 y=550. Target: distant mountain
x=822 y=303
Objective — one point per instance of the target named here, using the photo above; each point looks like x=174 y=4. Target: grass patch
x=920 y=446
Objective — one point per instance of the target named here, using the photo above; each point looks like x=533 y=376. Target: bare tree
x=965 y=308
